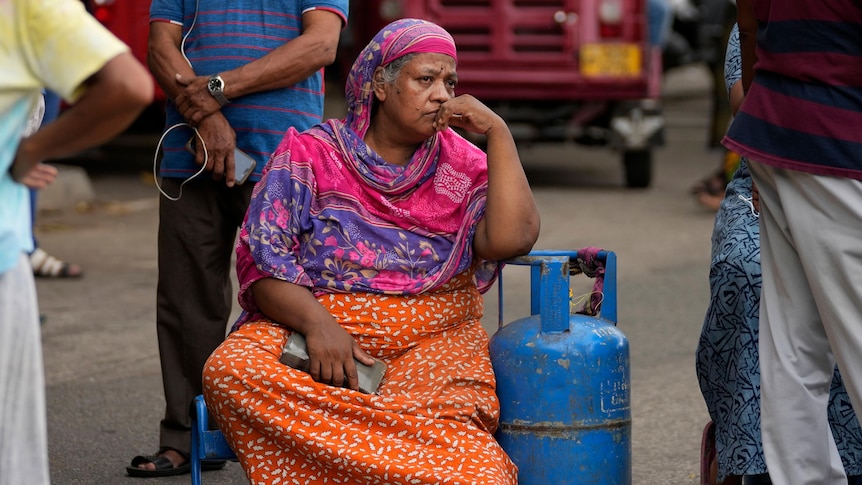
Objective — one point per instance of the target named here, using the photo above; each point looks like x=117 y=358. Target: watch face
x=215 y=85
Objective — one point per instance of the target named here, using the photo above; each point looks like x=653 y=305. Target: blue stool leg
x=199 y=423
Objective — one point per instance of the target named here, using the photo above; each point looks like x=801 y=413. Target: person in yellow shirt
x=51 y=44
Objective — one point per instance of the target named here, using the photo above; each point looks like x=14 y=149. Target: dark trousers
x=195 y=295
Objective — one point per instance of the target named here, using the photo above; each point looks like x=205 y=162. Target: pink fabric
x=431 y=44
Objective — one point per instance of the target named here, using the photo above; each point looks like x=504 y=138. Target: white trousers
x=23 y=429
x=810 y=317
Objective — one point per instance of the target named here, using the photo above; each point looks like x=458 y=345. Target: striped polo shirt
x=225 y=35
x=804 y=108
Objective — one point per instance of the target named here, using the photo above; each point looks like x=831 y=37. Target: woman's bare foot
x=710 y=201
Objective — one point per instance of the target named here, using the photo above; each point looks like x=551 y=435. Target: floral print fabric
x=316 y=219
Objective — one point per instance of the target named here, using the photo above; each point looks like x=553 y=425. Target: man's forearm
x=292 y=62
x=747 y=23
x=278 y=69
x=165 y=59
x=115 y=96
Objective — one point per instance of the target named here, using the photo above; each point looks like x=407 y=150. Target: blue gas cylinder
x=563 y=381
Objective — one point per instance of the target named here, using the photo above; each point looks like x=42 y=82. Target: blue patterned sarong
x=727 y=356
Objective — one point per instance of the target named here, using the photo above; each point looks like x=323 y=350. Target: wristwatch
x=216 y=89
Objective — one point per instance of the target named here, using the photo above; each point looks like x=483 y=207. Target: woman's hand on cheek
x=468 y=113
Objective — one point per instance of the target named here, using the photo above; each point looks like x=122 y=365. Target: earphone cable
x=202 y=144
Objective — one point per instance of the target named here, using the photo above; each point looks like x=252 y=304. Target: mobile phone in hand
x=243 y=166
x=295 y=354
x=242 y=162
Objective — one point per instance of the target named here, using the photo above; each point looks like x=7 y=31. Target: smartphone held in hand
x=295 y=354
x=243 y=163
x=243 y=166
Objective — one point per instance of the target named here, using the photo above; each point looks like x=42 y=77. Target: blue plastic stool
x=207 y=444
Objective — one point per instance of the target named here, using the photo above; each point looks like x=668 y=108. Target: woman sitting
x=374 y=237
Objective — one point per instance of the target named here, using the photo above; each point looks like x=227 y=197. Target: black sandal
x=165 y=468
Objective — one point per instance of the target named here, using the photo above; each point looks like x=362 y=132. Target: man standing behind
x=241 y=74
x=54 y=44
x=800 y=128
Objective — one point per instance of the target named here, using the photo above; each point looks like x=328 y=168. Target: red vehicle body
x=130 y=21
x=556 y=70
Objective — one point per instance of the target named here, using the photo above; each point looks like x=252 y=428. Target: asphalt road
x=101 y=357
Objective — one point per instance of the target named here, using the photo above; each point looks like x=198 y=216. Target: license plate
x=618 y=60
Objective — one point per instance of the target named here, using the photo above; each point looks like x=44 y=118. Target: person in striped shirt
x=237 y=75
x=799 y=127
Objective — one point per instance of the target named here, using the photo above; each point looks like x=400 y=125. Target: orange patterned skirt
x=431 y=421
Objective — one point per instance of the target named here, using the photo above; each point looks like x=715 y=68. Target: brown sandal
x=708 y=472
x=709 y=460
